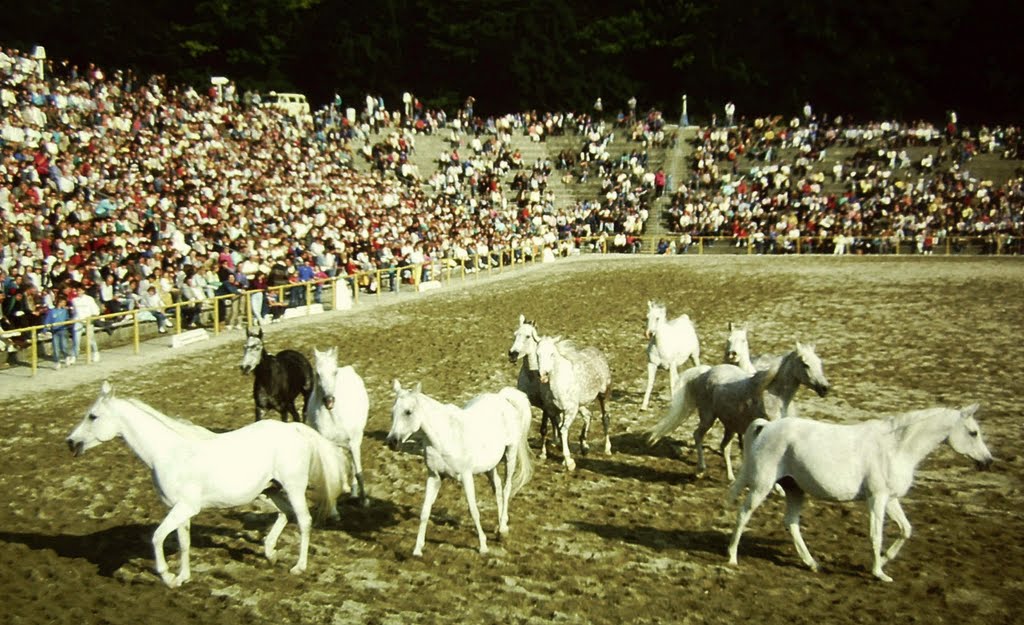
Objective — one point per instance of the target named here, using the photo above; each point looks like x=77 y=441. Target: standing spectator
x=84 y=308
x=730 y=113
x=59 y=333
x=230 y=302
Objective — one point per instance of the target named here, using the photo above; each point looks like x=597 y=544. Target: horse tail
x=524 y=459
x=747 y=468
x=328 y=472
x=683 y=403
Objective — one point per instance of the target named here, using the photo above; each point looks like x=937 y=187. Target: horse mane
x=179 y=425
x=901 y=423
x=566 y=347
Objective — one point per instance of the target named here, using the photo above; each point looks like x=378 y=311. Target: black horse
x=279 y=378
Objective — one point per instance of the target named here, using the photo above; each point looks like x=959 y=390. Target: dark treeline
x=868 y=58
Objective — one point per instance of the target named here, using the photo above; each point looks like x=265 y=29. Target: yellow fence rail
x=379 y=283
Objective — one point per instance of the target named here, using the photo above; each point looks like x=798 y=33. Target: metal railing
x=379 y=283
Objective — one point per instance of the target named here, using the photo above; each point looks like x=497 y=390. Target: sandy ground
x=629 y=537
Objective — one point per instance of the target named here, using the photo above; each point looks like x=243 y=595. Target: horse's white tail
x=328 y=472
x=683 y=404
x=743 y=479
x=524 y=459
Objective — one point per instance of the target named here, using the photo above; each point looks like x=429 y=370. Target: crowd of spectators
x=826 y=182
x=137 y=193
x=133 y=191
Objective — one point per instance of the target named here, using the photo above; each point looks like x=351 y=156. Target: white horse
x=670 y=344
x=737 y=351
x=463 y=442
x=575 y=377
x=338 y=408
x=524 y=346
x=194 y=469
x=736 y=397
x=873 y=460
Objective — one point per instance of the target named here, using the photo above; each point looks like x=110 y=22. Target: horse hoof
x=570 y=465
x=882 y=576
x=484 y=550
x=298 y=570
x=417 y=553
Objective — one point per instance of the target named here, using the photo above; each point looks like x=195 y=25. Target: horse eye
x=973 y=433
x=92 y=417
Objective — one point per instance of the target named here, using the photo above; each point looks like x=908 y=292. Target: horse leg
x=470 y=489
x=567 y=418
x=433 y=486
x=294 y=497
x=184 y=533
x=605 y=422
x=755 y=497
x=358 y=487
x=297 y=416
x=725 y=448
x=673 y=379
x=177 y=519
x=702 y=428
x=652 y=370
x=877 y=505
x=280 y=502
x=545 y=417
x=511 y=457
x=496 y=483
x=584 y=446
x=795 y=503
x=895 y=510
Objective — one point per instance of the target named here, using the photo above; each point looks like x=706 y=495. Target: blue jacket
x=57 y=315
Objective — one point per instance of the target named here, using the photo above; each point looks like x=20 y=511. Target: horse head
x=325 y=364
x=737 y=348
x=965 y=438
x=812 y=372
x=524 y=340
x=405 y=414
x=98 y=425
x=656 y=315
x=252 y=351
x=547 y=350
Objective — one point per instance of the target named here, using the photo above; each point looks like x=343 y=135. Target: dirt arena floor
x=630 y=537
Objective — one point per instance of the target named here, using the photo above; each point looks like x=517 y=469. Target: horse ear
x=418 y=388
x=106 y=388
x=730 y=327
x=522 y=319
x=968 y=411
x=396 y=385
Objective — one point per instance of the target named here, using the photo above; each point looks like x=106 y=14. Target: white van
x=294 y=104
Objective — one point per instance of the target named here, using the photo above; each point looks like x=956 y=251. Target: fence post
x=136 y=342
